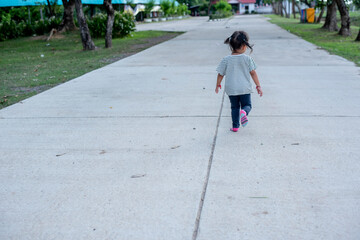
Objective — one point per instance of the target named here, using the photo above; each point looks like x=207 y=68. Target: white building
x=242 y=6
x=246 y=6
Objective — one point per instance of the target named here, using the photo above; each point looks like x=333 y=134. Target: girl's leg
x=245 y=101
x=235 y=110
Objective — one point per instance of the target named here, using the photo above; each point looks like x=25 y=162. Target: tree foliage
x=182 y=9
x=356 y=3
x=148 y=7
x=165 y=6
x=223 y=6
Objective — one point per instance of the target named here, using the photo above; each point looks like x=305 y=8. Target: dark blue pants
x=243 y=101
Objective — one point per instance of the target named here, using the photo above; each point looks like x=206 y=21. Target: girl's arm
x=218 y=82
x=257 y=82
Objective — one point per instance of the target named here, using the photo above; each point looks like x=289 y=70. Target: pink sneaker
x=234 y=129
x=244 y=120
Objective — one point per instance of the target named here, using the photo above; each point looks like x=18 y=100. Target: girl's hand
x=217 y=88
x=258 y=88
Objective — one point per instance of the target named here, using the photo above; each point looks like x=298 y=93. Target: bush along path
x=30 y=65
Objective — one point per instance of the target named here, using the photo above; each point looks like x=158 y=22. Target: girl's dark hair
x=237 y=40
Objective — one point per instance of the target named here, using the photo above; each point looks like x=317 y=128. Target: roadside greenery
x=123 y=24
x=354 y=18
x=330 y=41
x=14 y=22
x=30 y=65
x=182 y=10
x=165 y=7
x=223 y=10
x=10 y=29
x=332 y=7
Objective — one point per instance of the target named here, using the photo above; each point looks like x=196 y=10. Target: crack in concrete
x=109 y=117
x=202 y=199
x=191 y=116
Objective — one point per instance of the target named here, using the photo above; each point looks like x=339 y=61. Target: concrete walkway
x=128 y=151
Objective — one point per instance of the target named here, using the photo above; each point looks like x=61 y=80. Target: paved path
x=124 y=152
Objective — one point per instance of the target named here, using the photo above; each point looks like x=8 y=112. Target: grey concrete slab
x=122 y=152
x=285 y=178
x=135 y=91
x=105 y=178
x=186 y=24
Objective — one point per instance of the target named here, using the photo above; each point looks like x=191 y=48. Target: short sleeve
x=221 y=69
x=251 y=64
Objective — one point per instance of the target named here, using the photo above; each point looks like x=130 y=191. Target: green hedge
x=220 y=15
x=123 y=25
x=10 y=29
x=223 y=10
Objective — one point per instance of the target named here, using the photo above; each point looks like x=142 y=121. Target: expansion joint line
x=201 y=204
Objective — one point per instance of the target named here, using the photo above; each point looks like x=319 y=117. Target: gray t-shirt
x=237 y=70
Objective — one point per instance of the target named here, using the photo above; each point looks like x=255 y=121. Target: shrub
x=182 y=9
x=97 y=25
x=165 y=7
x=40 y=27
x=123 y=25
x=10 y=28
x=19 y=14
x=223 y=10
x=27 y=28
x=53 y=22
x=223 y=6
x=219 y=15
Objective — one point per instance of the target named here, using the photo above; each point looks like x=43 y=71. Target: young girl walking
x=238 y=67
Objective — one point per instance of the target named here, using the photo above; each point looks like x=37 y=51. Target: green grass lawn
x=354 y=18
x=31 y=65
x=330 y=41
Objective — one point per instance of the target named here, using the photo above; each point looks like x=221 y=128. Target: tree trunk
x=51 y=11
x=109 y=24
x=29 y=15
x=289 y=15
x=358 y=37
x=88 y=44
x=274 y=6
x=345 y=19
x=67 y=23
x=320 y=15
x=293 y=8
x=330 y=21
x=281 y=8
x=285 y=10
x=92 y=10
x=298 y=7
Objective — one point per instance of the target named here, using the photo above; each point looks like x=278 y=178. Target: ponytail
x=237 y=40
